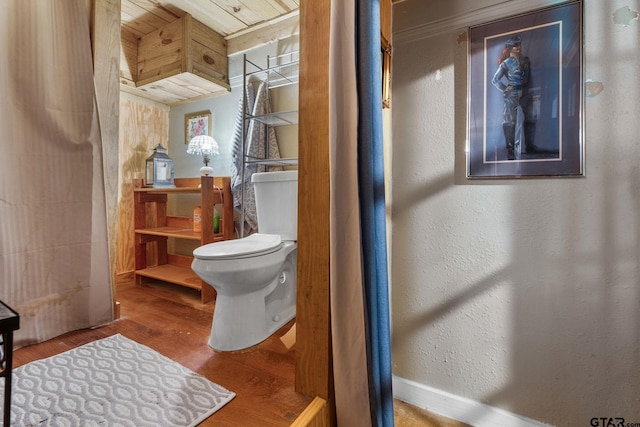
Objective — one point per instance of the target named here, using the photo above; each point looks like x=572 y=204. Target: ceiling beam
x=276 y=29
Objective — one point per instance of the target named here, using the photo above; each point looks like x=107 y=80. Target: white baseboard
x=456 y=407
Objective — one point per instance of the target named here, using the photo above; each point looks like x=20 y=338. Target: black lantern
x=159 y=169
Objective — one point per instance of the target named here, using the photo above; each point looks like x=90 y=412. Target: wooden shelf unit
x=153 y=227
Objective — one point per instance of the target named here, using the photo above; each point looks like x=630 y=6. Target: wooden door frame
x=314 y=373
x=105 y=46
x=314 y=363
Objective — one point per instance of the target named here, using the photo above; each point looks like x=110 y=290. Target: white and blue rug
x=112 y=382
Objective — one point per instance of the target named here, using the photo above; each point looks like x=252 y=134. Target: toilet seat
x=252 y=246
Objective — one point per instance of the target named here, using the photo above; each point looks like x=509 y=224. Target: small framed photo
x=385 y=57
x=197 y=124
x=525 y=87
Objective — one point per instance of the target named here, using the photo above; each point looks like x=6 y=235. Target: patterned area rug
x=112 y=382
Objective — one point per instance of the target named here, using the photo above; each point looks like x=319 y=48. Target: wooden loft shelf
x=153 y=227
x=183 y=185
x=193 y=190
x=172 y=274
x=179 y=233
x=178 y=271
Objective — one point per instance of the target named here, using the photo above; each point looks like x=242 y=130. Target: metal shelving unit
x=280 y=71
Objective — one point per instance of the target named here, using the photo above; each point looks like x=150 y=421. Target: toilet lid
x=254 y=245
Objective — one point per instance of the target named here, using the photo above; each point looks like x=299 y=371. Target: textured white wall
x=521 y=294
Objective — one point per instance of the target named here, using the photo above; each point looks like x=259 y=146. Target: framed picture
x=197 y=124
x=385 y=56
x=525 y=95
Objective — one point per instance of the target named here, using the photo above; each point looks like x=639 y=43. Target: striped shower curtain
x=359 y=290
x=54 y=252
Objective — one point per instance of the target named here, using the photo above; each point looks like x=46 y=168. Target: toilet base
x=243 y=335
x=242 y=322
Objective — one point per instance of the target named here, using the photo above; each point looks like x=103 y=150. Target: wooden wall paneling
x=314 y=374
x=143 y=125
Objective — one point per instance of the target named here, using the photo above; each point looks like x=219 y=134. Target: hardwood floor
x=406 y=415
x=171 y=320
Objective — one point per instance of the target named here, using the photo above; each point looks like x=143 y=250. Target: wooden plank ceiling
x=243 y=23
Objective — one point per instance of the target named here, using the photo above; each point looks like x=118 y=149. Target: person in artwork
x=513 y=79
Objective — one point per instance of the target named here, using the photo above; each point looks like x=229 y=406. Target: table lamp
x=205 y=146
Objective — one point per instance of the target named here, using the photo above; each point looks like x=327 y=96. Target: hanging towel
x=248 y=95
x=260 y=142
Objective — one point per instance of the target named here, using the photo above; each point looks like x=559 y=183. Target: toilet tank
x=277 y=203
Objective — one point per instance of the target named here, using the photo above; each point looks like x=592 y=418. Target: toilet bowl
x=255 y=277
x=255 y=281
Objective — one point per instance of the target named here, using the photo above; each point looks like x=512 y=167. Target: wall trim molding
x=236 y=81
x=456 y=407
x=483 y=15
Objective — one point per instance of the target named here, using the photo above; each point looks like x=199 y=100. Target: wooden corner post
x=314 y=373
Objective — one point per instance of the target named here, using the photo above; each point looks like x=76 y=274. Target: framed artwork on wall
x=525 y=95
x=385 y=56
x=197 y=124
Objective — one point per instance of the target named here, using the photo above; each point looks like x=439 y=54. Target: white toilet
x=255 y=277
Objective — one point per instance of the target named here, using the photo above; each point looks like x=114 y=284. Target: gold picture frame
x=385 y=52
x=197 y=124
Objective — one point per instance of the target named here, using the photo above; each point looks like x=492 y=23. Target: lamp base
x=206 y=170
